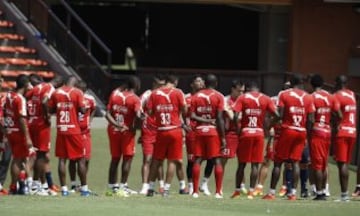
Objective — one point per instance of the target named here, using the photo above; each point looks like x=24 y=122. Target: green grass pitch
x=174 y=205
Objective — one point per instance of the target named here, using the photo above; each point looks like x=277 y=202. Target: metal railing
x=82 y=49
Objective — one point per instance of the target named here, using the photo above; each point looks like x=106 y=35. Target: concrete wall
x=323 y=37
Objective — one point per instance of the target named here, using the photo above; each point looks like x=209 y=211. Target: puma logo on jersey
x=207 y=97
x=121 y=95
x=300 y=98
x=351 y=96
x=256 y=99
x=324 y=98
x=67 y=94
x=161 y=93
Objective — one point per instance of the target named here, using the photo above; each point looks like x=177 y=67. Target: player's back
x=347 y=104
x=14 y=108
x=296 y=104
x=207 y=102
x=166 y=102
x=67 y=101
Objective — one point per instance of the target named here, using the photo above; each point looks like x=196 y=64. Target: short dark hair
x=316 y=81
x=296 y=79
x=341 y=80
x=211 y=81
x=252 y=84
x=81 y=85
x=35 y=79
x=235 y=83
x=133 y=82
x=21 y=81
x=194 y=77
x=170 y=78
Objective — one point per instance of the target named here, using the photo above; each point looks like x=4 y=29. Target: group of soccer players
x=216 y=128
x=213 y=127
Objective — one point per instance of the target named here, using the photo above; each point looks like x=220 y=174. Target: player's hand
x=124 y=128
x=223 y=144
x=32 y=151
x=186 y=127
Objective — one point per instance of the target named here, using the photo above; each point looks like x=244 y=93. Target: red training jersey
x=297 y=104
x=206 y=103
x=166 y=104
x=67 y=101
x=253 y=107
x=84 y=118
x=347 y=103
x=324 y=104
x=14 y=108
x=123 y=106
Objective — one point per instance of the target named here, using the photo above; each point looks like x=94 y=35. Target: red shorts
x=148 y=138
x=40 y=137
x=251 y=149
x=190 y=142
x=319 y=153
x=207 y=147
x=290 y=145
x=18 y=145
x=343 y=149
x=121 y=144
x=87 y=142
x=232 y=143
x=168 y=145
x=70 y=146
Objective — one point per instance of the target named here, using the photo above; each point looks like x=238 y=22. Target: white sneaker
x=51 y=192
x=143 y=191
x=195 y=195
x=327 y=193
x=191 y=190
x=121 y=193
x=129 y=191
x=205 y=189
x=343 y=199
x=41 y=192
x=218 y=196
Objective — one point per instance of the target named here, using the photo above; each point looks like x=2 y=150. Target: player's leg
x=72 y=173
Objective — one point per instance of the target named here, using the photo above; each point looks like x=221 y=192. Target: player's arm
x=111 y=119
x=25 y=130
x=235 y=121
x=202 y=120
x=220 y=125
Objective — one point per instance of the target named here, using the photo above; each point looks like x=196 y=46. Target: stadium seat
x=5 y=23
x=16 y=49
x=8 y=85
x=12 y=36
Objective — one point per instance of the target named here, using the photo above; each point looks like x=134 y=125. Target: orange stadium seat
x=8 y=84
x=5 y=23
x=16 y=49
x=21 y=61
x=15 y=73
x=12 y=36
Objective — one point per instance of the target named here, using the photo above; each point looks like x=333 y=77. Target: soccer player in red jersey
x=122 y=111
x=346 y=132
x=66 y=102
x=207 y=107
x=39 y=128
x=320 y=136
x=85 y=122
x=232 y=138
x=253 y=106
x=167 y=104
x=148 y=136
x=196 y=84
x=17 y=133
x=296 y=109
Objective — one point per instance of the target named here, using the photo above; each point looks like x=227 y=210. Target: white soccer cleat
x=129 y=191
x=218 y=196
x=205 y=189
x=195 y=195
